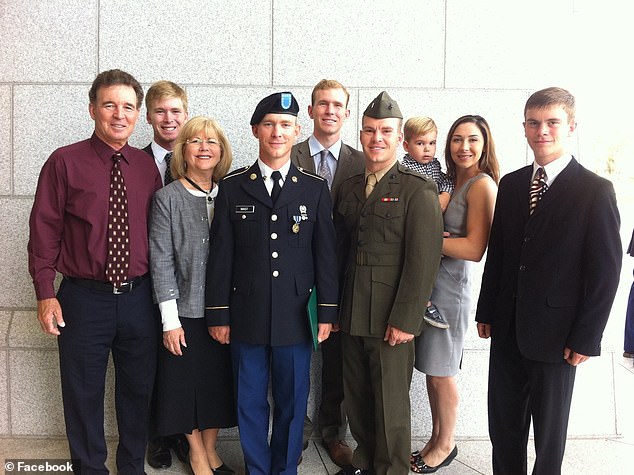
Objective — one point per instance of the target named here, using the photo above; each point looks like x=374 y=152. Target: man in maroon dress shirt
x=91 y=316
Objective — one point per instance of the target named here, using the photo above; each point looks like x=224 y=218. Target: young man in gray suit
x=325 y=153
x=551 y=274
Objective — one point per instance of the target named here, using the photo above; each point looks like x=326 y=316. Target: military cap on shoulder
x=383 y=107
x=277 y=103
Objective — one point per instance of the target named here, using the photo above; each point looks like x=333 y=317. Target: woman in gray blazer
x=194 y=380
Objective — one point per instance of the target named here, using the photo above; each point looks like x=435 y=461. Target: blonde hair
x=165 y=89
x=418 y=126
x=325 y=84
x=210 y=128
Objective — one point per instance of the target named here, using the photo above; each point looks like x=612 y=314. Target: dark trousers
x=289 y=370
x=377 y=378
x=97 y=324
x=628 y=345
x=332 y=416
x=520 y=390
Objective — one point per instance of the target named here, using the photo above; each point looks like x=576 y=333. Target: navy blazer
x=553 y=273
x=261 y=271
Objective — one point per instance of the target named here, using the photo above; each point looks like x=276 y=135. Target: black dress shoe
x=422 y=467
x=181 y=447
x=158 y=455
x=350 y=470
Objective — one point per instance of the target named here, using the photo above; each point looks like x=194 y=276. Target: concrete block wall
x=442 y=58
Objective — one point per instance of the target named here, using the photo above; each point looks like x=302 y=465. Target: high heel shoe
x=415 y=457
x=421 y=467
x=224 y=469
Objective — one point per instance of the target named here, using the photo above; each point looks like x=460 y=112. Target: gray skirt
x=438 y=351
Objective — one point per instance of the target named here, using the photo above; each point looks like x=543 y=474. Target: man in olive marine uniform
x=389 y=223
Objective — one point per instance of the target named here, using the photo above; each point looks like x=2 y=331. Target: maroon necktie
x=118 y=258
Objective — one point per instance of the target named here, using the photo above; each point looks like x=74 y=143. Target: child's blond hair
x=419 y=126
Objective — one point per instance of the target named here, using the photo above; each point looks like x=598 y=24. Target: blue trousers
x=98 y=323
x=289 y=370
x=628 y=345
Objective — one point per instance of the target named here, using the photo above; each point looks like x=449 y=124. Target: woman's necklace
x=195 y=185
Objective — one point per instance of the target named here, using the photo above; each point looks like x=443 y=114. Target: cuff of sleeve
x=44 y=290
x=169 y=315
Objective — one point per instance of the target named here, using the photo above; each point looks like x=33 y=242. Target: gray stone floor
x=597 y=456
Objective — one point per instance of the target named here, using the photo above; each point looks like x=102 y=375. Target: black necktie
x=276 y=176
x=168 y=173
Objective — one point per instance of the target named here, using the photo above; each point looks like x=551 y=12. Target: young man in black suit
x=166 y=104
x=551 y=274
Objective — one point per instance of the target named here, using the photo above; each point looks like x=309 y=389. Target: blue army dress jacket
x=266 y=258
x=392 y=244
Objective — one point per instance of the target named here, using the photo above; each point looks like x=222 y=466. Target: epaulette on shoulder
x=309 y=173
x=411 y=172
x=236 y=172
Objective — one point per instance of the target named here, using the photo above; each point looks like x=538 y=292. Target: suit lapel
x=254 y=185
x=387 y=187
x=344 y=166
x=304 y=159
x=292 y=187
x=554 y=192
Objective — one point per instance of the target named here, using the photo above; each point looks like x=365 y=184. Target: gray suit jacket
x=179 y=248
x=350 y=163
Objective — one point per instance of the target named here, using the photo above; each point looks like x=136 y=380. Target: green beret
x=383 y=107
x=278 y=103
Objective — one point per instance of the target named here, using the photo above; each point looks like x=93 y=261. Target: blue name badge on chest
x=249 y=209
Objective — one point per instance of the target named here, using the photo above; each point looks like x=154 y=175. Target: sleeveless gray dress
x=438 y=351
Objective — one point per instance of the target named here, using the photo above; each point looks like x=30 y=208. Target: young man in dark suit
x=166 y=104
x=325 y=153
x=551 y=274
x=272 y=243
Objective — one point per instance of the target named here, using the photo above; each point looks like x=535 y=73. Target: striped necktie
x=538 y=188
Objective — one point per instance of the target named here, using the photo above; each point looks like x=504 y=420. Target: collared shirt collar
x=266 y=171
x=158 y=152
x=554 y=168
x=105 y=151
x=382 y=172
x=315 y=147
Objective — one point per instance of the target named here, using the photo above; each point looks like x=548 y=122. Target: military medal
x=302 y=211
x=295 y=227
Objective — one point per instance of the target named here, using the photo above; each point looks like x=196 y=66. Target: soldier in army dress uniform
x=272 y=243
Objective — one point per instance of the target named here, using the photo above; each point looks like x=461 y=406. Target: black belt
x=107 y=286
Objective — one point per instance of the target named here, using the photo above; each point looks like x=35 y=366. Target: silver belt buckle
x=118 y=291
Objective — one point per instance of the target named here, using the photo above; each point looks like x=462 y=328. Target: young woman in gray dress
x=472 y=165
x=194 y=381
